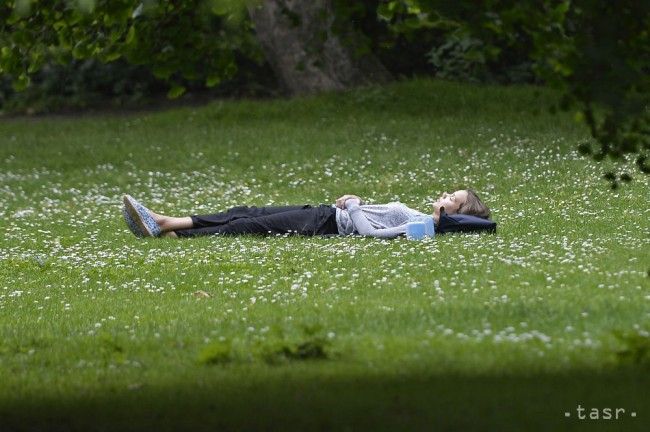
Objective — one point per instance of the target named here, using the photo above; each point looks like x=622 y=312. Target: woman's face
x=450 y=201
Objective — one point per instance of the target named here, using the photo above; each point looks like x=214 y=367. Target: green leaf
x=162 y=72
x=22 y=82
x=80 y=50
x=562 y=8
x=5 y=52
x=562 y=69
x=130 y=36
x=112 y=56
x=36 y=61
x=384 y=12
x=176 y=91
x=115 y=35
x=413 y=9
x=59 y=25
x=86 y=6
x=212 y=81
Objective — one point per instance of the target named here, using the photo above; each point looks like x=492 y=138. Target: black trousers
x=301 y=220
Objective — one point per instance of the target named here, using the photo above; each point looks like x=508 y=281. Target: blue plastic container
x=416 y=230
x=429 y=227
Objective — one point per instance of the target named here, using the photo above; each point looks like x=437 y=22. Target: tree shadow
x=353 y=402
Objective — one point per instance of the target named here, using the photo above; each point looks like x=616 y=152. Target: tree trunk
x=304 y=51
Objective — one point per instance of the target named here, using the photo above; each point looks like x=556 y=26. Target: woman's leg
x=240 y=212
x=304 y=220
x=170 y=224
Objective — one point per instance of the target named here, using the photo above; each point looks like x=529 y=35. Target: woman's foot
x=161 y=220
x=142 y=217
x=164 y=223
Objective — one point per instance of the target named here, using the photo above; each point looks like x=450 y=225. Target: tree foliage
x=597 y=52
x=181 y=39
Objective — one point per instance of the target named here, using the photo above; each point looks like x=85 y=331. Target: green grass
x=100 y=330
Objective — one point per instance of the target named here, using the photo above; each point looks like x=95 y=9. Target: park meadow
x=101 y=330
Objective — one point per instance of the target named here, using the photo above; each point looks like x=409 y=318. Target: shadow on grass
x=355 y=402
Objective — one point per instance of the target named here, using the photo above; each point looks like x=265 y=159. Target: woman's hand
x=340 y=203
x=352 y=201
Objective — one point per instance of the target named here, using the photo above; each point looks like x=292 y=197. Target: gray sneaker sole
x=133 y=227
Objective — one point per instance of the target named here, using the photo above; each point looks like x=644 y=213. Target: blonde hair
x=474 y=206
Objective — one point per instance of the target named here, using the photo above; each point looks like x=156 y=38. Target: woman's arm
x=364 y=227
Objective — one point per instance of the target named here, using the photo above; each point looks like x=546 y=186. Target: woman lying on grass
x=349 y=216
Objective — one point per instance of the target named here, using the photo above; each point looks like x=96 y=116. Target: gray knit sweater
x=376 y=220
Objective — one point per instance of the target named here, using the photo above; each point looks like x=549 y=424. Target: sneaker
x=131 y=223
x=141 y=216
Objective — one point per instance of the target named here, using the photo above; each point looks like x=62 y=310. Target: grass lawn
x=102 y=331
